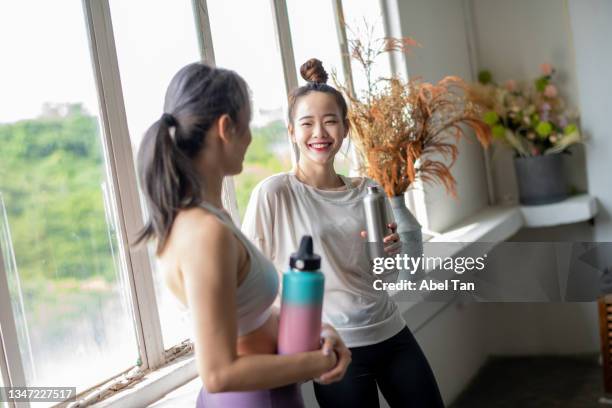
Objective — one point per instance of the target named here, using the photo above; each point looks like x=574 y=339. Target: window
x=322 y=44
x=148 y=58
x=364 y=20
x=244 y=40
x=58 y=235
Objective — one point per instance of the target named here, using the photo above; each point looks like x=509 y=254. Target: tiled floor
x=542 y=382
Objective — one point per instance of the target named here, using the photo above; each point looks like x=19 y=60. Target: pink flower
x=546 y=69
x=510 y=85
x=550 y=91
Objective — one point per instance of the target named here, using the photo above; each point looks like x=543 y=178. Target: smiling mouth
x=320 y=146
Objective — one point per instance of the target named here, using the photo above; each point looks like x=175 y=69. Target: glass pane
x=322 y=44
x=364 y=20
x=244 y=40
x=57 y=231
x=154 y=39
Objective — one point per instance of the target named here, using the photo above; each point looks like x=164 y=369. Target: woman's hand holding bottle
x=334 y=346
x=391 y=243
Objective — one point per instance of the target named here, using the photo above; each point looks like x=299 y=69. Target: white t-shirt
x=282 y=209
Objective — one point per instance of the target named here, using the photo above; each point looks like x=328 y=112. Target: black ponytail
x=196 y=97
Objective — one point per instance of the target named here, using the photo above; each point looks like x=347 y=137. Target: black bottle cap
x=304 y=259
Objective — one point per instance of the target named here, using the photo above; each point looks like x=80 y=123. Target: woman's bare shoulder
x=197 y=238
x=195 y=226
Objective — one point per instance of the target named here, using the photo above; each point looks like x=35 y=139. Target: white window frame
x=123 y=183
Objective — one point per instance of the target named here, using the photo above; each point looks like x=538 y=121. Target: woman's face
x=318 y=128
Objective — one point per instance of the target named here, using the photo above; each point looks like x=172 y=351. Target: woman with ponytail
x=208 y=264
x=313 y=199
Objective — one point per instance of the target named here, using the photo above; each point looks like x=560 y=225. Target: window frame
x=123 y=183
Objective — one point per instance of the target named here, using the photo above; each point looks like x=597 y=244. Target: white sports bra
x=257 y=292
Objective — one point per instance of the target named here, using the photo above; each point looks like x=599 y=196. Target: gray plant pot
x=541 y=179
x=410 y=234
x=408 y=227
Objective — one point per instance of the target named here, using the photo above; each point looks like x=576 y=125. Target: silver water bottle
x=376 y=225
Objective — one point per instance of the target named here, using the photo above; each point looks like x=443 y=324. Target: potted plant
x=533 y=120
x=407 y=129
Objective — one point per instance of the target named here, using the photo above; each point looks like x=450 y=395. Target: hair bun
x=313 y=71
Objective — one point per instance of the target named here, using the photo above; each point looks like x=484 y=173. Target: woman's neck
x=319 y=176
x=212 y=189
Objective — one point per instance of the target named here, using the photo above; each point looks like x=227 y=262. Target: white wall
x=455 y=347
x=515 y=37
x=542 y=328
x=438 y=25
x=563 y=327
x=591 y=26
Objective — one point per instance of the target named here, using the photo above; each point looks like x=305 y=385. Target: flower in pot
x=533 y=120
x=405 y=130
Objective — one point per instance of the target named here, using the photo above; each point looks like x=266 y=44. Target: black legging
x=397 y=365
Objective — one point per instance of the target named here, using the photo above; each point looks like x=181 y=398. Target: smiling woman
x=315 y=200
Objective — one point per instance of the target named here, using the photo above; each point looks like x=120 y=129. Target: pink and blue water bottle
x=301 y=302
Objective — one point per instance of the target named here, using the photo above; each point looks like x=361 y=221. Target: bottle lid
x=304 y=259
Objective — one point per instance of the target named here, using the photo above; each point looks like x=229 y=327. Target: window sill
x=155 y=385
x=576 y=208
